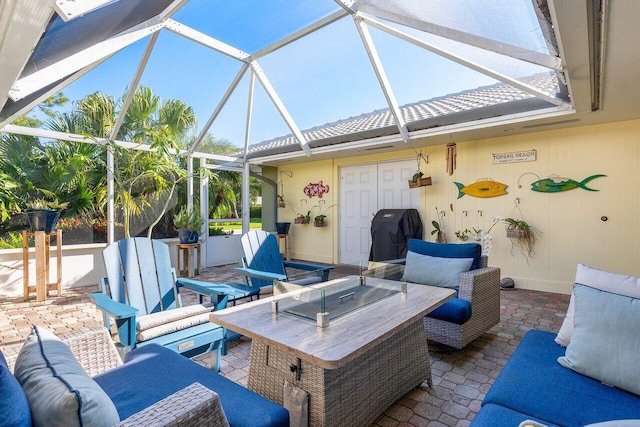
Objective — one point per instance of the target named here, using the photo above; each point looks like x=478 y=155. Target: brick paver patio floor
x=460 y=378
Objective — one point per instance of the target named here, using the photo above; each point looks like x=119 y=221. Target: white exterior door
x=364 y=190
x=358 y=203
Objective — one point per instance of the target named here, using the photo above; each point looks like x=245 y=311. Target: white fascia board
x=277 y=102
x=385 y=85
x=74 y=137
x=517 y=118
x=462 y=61
x=63 y=68
x=517 y=52
x=22 y=23
x=70 y=9
x=205 y=40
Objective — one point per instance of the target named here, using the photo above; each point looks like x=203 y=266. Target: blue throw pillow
x=448 y=250
x=15 y=412
x=604 y=344
x=59 y=391
x=435 y=271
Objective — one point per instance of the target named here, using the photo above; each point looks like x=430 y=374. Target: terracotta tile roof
x=488 y=101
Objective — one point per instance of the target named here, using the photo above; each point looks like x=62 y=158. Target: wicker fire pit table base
x=355 y=394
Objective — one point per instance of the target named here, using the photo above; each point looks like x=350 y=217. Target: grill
x=391 y=229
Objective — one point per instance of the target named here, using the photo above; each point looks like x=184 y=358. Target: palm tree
x=226 y=186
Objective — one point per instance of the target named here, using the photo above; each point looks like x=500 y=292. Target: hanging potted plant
x=189 y=223
x=417 y=179
x=521 y=234
x=281 y=203
x=43 y=215
x=463 y=235
x=320 y=219
x=303 y=219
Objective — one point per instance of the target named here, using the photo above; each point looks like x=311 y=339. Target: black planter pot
x=42 y=219
x=282 y=227
x=188 y=236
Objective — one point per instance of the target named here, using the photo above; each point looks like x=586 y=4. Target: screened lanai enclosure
x=279 y=80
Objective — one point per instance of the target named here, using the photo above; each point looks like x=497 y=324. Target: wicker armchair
x=194 y=405
x=481 y=287
x=476 y=309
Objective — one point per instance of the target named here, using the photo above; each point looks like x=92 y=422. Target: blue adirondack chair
x=263 y=263
x=141 y=295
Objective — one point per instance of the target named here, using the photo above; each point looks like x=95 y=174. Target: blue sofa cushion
x=455 y=311
x=15 y=411
x=493 y=415
x=533 y=383
x=447 y=250
x=152 y=372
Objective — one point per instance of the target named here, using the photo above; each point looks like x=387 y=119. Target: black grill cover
x=390 y=231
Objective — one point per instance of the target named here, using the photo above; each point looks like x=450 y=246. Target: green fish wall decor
x=555 y=184
x=483 y=188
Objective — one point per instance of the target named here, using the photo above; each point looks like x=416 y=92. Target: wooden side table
x=42 y=253
x=188 y=251
x=287 y=254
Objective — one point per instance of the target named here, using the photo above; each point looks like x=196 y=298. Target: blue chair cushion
x=455 y=310
x=152 y=372
x=562 y=396
x=448 y=250
x=15 y=411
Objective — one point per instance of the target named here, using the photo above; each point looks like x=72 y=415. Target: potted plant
x=189 y=223
x=281 y=203
x=282 y=227
x=522 y=234
x=303 y=219
x=319 y=220
x=438 y=231
x=43 y=215
x=417 y=180
x=463 y=234
x=440 y=237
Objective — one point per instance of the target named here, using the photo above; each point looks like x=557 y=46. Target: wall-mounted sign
x=515 y=157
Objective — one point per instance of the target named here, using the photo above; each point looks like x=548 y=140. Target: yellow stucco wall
x=570 y=222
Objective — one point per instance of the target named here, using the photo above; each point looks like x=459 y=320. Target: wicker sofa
x=476 y=309
x=155 y=386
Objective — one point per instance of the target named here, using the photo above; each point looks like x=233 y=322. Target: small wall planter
x=301 y=220
x=421 y=182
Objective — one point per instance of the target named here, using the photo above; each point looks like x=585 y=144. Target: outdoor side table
x=189 y=251
x=42 y=253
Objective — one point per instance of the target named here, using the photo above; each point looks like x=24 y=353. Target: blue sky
x=322 y=78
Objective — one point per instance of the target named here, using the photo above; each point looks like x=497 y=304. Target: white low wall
x=81 y=266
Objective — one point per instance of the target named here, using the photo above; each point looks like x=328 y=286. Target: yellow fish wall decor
x=485 y=188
